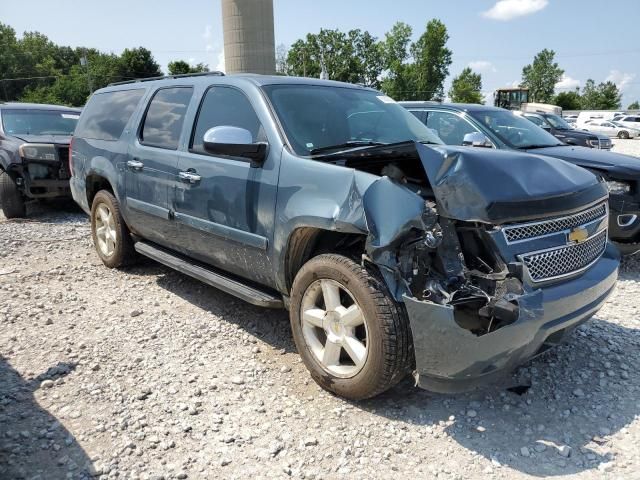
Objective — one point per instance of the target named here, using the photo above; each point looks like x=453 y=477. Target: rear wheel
x=350 y=333
x=624 y=135
x=110 y=234
x=11 y=198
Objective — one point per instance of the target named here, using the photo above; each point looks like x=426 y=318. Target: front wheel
x=11 y=199
x=624 y=135
x=352 y=336
x=110 y=234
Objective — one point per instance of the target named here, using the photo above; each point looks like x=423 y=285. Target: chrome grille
x=525 y=231
x=561 y=261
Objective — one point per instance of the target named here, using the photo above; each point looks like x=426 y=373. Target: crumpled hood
x=594 y=158
x=56 y=139
x=497 y=187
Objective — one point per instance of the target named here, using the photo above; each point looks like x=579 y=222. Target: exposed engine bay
x=429 y=218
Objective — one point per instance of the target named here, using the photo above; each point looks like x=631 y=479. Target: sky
x=495 y=37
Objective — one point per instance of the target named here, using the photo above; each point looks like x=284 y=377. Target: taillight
x=71 y=157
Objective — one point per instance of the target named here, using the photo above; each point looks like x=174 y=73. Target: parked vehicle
x=611 y=129
x=511 y=98
x=497 y=128
x=34 y=150
x=561 y=129
x=629 y=121
x=392 y=252
x=587 y=116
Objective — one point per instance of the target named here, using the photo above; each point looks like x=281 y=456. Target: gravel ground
x=146 y=373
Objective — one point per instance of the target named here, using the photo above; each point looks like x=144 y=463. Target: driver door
x=225 y=206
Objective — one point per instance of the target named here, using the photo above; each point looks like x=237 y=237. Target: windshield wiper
x=349 y=144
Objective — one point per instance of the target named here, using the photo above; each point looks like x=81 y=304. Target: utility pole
x=84 y=61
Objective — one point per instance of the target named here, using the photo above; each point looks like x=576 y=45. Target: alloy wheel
x=334 y=328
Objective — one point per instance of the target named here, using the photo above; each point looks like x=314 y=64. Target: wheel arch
x=307 y=242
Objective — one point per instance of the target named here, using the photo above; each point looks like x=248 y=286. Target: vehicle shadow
x=33 y=443
x=580 y=394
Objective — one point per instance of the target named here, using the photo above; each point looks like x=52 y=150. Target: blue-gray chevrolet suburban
x=393 y=253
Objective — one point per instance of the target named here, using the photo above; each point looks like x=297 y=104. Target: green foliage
x=402 y=69
x=569 y=100
x=467 y=87
x=605 y=96
x=137 y=63
x=34 y=69
x=180 y=67
x=395 y=53
x=353 y=57
x=541 y=76
x=634 y=106
x=431 y=64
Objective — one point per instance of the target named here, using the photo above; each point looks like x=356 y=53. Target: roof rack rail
x=164 y=77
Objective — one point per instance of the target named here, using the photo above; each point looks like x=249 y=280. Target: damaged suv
x=393 y=253
x=34 y=153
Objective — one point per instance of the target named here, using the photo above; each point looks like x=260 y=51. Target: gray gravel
x=145 y=373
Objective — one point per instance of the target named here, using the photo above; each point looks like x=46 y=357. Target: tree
x=353 y=57
x=605 y=96
x=634 y=106
x=542 y=76
x=431 y=62
x=397 y=81
x=569 y=100
x=137 y=63
x=610 y=96
x=180 y=67
x=467 y=87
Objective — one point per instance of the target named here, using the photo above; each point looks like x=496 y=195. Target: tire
x=385 y=333
x=11 y=199
x=624 y=135
x=110 y=233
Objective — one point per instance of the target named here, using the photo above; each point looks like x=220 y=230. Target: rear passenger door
x=151 y=169
x=225 y=209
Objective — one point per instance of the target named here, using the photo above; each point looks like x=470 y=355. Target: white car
x=629 y=121
x=611 y=129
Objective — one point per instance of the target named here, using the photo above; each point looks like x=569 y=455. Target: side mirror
x=476 y=139
x=234 y=142
x=545 y=127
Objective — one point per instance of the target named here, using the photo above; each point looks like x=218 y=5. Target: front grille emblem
x=578 y=235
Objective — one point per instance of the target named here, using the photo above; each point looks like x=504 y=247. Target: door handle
x=189 y=177
x=136 y=165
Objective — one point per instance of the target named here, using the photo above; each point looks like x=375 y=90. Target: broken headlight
x=618 y=188
x=38 y=151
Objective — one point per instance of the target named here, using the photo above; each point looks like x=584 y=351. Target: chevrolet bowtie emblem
x=578 y=235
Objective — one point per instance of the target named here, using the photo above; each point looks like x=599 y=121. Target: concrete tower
x=249 y=44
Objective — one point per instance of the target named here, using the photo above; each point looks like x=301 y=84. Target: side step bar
x=229 y=285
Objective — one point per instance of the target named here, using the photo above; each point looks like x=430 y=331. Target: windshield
x=514 y=130
x=315 y=117
x=39 y=122
x=558 y=122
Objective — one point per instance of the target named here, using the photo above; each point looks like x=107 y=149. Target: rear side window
x=163 y=122
x=106 y=114
x=229 y=107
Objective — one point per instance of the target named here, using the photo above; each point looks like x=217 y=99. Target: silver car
x=611 y=129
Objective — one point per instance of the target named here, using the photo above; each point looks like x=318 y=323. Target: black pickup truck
x=34 y=153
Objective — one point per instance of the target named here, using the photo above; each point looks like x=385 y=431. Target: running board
x=227 y=284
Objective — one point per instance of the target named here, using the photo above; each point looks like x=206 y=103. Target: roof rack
x=165 y=77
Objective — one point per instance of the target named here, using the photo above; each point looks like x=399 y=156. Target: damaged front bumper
x=41 y=179
x=451 y=359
